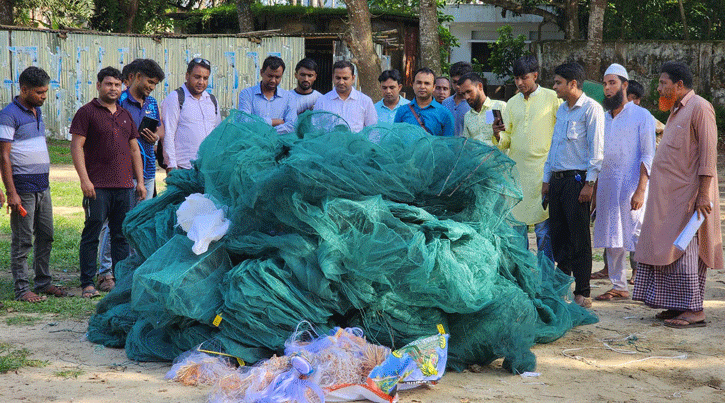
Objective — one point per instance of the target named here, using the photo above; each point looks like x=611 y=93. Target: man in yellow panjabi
x=526 y=131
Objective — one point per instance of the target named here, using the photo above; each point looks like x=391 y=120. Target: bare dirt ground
x=627 y=357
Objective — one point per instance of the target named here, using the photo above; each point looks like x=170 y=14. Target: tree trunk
x=131 y=11
x=6 y=12
x=593 y=56
x=684 y=20
x=571 y=15
x=359 y=38
x=430 y=55
x=245 y=16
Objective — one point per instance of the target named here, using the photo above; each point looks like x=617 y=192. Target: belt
x=568 y=174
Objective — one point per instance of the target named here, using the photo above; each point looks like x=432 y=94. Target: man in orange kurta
x=683 y=181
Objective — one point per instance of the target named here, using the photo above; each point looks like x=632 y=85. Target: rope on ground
x=631 y=339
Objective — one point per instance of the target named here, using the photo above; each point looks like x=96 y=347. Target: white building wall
x=478 y=23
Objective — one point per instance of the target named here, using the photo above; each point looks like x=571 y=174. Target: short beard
x=615 y=101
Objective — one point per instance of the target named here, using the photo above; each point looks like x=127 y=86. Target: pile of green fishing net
x=390 y=230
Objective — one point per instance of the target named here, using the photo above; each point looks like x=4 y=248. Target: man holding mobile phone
x=475 y=122
x=138 y=101
x=525 y=132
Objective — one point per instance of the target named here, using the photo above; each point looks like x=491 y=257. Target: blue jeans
x=543 y=240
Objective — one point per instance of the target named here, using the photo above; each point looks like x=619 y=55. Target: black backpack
x=160 y=146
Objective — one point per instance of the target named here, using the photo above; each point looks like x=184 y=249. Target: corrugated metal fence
x=73 y=59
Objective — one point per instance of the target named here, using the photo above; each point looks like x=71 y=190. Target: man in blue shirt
x=570 y=172
x=425 y=111
x=390 y=84
x=25 y=165
x=456 y=103
x=269 y=102
x=137 y=99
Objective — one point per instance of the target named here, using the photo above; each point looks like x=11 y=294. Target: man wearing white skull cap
x=621 y=190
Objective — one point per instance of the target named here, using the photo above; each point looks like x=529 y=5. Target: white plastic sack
x=203 y=222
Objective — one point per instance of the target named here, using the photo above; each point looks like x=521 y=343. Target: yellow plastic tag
x=217 y=320
x=441 y=330
x=239 y=360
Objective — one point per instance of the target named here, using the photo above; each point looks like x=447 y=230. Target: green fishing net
x=390 y=230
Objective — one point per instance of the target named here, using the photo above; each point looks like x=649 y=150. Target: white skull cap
x=617 y=69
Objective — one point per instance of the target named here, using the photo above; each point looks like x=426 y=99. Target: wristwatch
x=591 y=183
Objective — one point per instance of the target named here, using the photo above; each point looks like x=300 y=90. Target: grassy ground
x=68 y=220
x=68 y=223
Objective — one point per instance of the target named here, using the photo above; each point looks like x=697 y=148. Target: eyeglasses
x=199 y=60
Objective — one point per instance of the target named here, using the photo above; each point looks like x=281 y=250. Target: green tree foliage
x=631 y=19
x=54 y=14
x=504 y=53
x=660 y=20
x=150 y=17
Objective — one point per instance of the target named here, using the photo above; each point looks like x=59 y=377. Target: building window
x=481 y=53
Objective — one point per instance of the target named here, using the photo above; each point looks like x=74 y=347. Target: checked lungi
x=679 y=285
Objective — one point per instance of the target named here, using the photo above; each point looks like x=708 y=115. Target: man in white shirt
x=621 y=190
x=352 y=105
x=189 y=114
x=306 y=75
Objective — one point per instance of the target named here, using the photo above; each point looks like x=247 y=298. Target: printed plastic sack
x=203 y=222
x=420 y=362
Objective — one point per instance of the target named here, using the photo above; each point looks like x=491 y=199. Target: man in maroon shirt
x=107 y=158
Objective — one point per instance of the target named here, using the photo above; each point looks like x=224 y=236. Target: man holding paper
x=683 y=181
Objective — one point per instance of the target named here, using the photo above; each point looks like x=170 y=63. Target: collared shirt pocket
x=572 y=130
x=675 y=138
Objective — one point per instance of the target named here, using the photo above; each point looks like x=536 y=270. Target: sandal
x=90 y=292
x=613 y=295
x=600 y=275
x=685 y=323
x=668 y=314
x=56 y=291
x=106 y=283
x=31 y=297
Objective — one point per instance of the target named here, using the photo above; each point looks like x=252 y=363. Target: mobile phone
x=497 y=116
x=148 y=123
x=545 y=202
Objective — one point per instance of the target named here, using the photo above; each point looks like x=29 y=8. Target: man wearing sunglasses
x=188 y=114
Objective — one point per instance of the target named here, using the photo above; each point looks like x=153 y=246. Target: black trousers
x=111 y=204
x=569 y=231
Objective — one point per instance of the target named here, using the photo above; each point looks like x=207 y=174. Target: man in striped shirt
x=25 y=165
